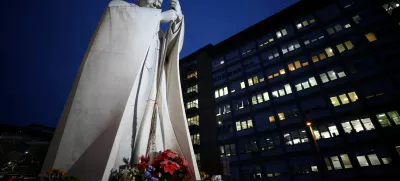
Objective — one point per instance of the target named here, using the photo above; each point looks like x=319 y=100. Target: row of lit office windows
x=324 y=131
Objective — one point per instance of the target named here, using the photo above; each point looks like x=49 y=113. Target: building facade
x=310 y=93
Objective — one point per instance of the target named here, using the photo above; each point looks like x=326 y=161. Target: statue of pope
x=126 y=100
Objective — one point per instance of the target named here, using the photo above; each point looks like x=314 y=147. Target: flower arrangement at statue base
x=165 y=166
x=57 y=175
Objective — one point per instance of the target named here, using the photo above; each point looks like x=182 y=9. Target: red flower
x=169 y=154
x=169 y=166
x=143 y=162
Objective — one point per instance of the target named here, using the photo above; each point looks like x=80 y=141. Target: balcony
x=191 y=94
x=192 y=109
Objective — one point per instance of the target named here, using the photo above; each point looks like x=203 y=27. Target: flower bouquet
x=56 y=175
x=166 y=166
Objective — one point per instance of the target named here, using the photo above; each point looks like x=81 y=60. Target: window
x=192 y=75
x=228 y=150
x=255 y=79
x=193 y=121
x=192 y=89
x=241 y=103
x=237 y=86
x=221 y=92
x=223 y=109
x=304 y=165
x=269 y=142
x=192 y=104
x=313 y=37
x=389 y=7
x=281 y=116
x=282 y=92
x=242 y=125
x=260 y=98
x=322 y=55
x=338 y=162
x=290 y=47
x=348 y=45
x=344 y=98
x=195 y=139
x=305 y=22
x=384 y=120
x=311 y=82
x=218 y=62
x=371 y=37
x=331 y=75
x=325 y=131
x=270 y=55
x=281 y=33
x=276 y=72
x=295 y=137
x=297 y=65
x=358 y=125
x=248 y=145
x=276 y=168
x=271 y=119
x=356 y=19
x=338 y=27
x=248 y=49
x=373 y=158
x=262 y=42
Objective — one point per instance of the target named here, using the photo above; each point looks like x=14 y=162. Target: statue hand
x=175 y=5
x=168 y=16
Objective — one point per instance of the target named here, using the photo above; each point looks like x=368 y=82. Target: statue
x=126 y=100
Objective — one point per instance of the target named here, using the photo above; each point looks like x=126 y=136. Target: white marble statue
x=126 y=100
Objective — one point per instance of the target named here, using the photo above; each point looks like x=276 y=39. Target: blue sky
x=43 y=42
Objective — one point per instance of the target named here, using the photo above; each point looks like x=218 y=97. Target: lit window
x=282 y=71
x=356 y=19
x=341 y=48
x=192 y=75
x=322 y=56
x=374 y=159
x=193 y=120
x=335 y=101
x=329 y=52
x=295 y=137
x=271 y=119
x=275 y=94
x=315 y=59
x=349 y=45
x=324 y=78
x=291 y=67
x=266 y=96
x=299 y=26
x=192 y=104
x=242 y=85
x=195 y=139
x=278 y=34
x=325 y=131
x=312 y=21
x=288 y=89
x=281 y=116
x=336 y=163
x=346 y=161
x=363 y=161
x=353 y=96
x=344 y=99
x=371 y=37
x=356 y=126
x=192 y=89
x=250 y=81
x=347 y=26
x=332 y=75
x=242 y=125
x=221 y=92
x=305 y=23
x=394 y=115
x=281 y=33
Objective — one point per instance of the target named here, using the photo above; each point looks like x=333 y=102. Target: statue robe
x=114 y=93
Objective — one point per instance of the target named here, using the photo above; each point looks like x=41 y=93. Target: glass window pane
x=371 y=37
x=250 y=123
x=368 y=124
x=324 y=132
x=244 y=125
x=266 y=96
x=259 y=98
x=281 y=116
x=299 y=26
x=394 y=115
x=315 y=59
x=332 y=75
x=338 y=28
x=333 y=130
x=282 y=92
x=336 y=163
x=275 y=94
x=238 y=126
x=344 y=99
x=221 y=92
x=363 y=161
x=347 y=127
x=242 y=85
x=316 y=133
x=328 y=164
x=284 y=32
x=271 y=119
x=306 y=85
x=324 y=78
x=374 y=159
x=250 y=81
x=298 y=87
x=387 y=160
x=330 y=31
x=297 y=64
x=346 y=161
x=216 y=94
x=349 y=45
x=225 y=90
x=305 y=23
x=329 y=52
x=383 y=120
x=340 y=48
x=322 y=56
x=254 y=100
x=335 y=101
x=278 y=34
x=288 y=89
x=312 y=81
x=353 y=96
x=341 y=74
x=288 y=139
x=357 y=125
x=282 y=71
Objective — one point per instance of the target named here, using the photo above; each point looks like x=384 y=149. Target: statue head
x=151 y=3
